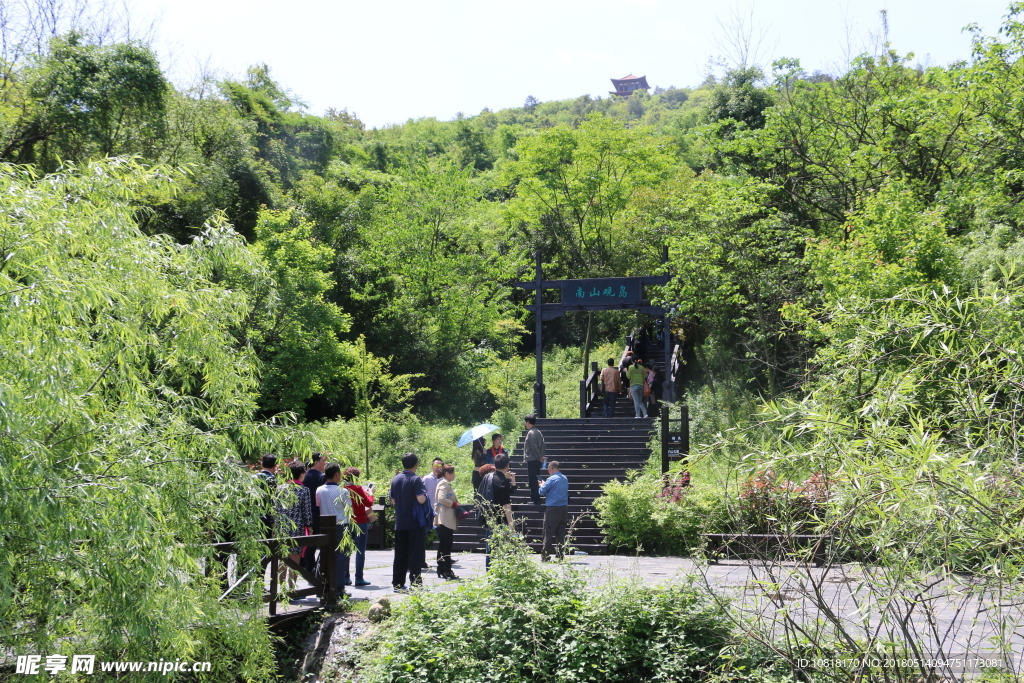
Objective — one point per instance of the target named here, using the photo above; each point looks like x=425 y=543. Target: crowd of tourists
x=631 y=376
x=418 y=505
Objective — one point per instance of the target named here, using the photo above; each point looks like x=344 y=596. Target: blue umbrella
x=475 y=433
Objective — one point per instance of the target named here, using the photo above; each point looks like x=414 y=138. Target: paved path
x=947 y=615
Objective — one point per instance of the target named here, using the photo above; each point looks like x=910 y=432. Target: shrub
x=525 y=623
x=636 y=516
x=769 y=504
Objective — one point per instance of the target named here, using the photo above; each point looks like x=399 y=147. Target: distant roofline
x=635 y=83
x=630 y=79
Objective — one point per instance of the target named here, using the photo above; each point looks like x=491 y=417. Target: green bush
x=522 y=622
x=640 y=515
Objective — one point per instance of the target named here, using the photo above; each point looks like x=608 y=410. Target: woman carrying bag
x=447 y=521
x=637 y=376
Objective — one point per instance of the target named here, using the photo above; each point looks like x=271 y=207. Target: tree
x=828 y=144
x=470 y=151
x=738 y=102
x=377 y=393
x=430 y=281
x=286 y=139
x=893 y=242
x=735 y=262
x=574 y=189
x=83 y=101
x=126 y=408
x=294 y=330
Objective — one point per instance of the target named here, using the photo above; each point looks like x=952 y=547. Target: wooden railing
x=589 y=390
x=323 y=587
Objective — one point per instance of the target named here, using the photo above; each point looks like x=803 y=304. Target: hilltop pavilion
x=625 y=86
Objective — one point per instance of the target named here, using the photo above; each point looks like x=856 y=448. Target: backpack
x=486 y=489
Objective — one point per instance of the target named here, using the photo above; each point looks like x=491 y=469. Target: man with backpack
x=495 y=495
x=611 y=385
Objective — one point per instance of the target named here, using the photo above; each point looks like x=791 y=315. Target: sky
x=391 y=60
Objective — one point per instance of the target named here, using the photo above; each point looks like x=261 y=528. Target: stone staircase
x=591 y=453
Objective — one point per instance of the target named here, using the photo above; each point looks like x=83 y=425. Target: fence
x=322 y=586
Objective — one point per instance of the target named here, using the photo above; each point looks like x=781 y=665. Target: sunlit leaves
x=126 y=402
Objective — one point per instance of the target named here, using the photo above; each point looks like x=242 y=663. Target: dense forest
x=186 y=273
x=771 y=190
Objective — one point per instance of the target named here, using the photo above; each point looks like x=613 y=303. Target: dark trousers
x=556 y=521
x=533 y=471
x=487 y=548
x=609 y=403
x=445 y=538
x=409 y=549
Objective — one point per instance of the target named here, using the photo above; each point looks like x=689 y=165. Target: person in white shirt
x=430 y=482
x=333 y=499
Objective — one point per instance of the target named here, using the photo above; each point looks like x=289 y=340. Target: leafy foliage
x=637 y=515
x=82 y=102
x=891 y=243
x=521 y=622
x=574 y=187
x=296 y=332
x=126 y=405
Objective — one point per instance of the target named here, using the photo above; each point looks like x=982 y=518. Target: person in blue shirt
x=407 y=491
x=556 y=511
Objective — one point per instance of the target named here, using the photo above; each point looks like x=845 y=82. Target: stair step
x=591 y=453
x=588 y=548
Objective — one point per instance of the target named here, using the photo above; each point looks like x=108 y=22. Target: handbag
x=371 y=516
x=647 y=389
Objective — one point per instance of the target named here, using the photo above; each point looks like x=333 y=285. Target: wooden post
x=583 y=398
x=327 y=564
x=684 y=427
x=539 y=407
x=664 y=439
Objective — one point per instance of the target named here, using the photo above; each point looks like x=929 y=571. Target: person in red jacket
x=362 y=504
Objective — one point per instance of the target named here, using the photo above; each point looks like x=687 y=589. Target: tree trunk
x=586 y=345
x=366 y=442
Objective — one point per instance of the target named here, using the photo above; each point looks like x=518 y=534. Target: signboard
x=592 y=294
x=676 y=446
x=613 y=290
x=675 y=443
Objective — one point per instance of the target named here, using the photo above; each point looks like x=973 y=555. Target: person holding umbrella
x=476 y=437
x=479 y=456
